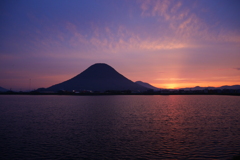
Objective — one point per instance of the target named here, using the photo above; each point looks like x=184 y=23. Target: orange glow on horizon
x=192 y=85
x=171 y=86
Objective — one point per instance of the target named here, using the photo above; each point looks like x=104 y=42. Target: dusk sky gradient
x=167 y=43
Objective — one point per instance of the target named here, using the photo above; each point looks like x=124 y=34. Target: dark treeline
x=129 y=92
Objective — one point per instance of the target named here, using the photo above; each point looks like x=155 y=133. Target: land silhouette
x=147 y=85
x=3 y=89
x=98 y=77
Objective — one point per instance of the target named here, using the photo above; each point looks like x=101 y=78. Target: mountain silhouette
x=230 y=87
x=222 y=87
x=198 y=88
x=3 y=89
x=147 y=85
x=98 y=77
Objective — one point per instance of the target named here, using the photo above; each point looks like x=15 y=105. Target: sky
x=167 y=43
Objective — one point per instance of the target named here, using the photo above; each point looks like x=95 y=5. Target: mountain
x=230 y=87
x=198 y=88
x=3 y=89
x=98 y=77
x=211 y=88
x=147 y=85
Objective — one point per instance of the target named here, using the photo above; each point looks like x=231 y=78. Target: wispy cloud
x=174 y=25
x=184 y=24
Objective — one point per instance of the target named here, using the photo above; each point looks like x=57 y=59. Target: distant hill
x=147 y=85
x=3 y=89
x=98 y=77
x=222 y=87
x=230 y=87
x=197 y=88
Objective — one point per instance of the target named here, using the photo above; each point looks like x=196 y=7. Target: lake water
x=119 y=127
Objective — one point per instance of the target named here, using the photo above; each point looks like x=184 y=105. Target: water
x=119 y=127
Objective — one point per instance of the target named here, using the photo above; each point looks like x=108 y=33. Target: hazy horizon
x=168 y=43
x=91 y=74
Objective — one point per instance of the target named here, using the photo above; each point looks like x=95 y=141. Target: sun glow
x=170 y=86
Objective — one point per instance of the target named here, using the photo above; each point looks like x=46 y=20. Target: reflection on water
x=119 y=127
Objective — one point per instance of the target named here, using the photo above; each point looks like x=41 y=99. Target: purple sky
x=169 y=44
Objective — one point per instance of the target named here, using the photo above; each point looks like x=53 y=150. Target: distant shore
x=114 y=93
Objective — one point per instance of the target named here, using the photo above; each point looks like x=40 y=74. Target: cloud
x=229 y=36
x=176 y=7
x=184 y=21
x=174 y=25
x=237 y=69
x=175 y=21
x=71 y=27
x=108 y=40
x=166 y=10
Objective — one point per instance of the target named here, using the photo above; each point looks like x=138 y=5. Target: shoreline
x=104 y=94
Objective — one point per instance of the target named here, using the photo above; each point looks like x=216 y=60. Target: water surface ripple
x=119 y=127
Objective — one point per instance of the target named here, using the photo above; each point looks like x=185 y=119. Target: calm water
x=119 y=127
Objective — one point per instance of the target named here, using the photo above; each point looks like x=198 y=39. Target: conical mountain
x=3 y=89
x=98 y=77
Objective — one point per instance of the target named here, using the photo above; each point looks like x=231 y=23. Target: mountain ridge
x=3 y=89
x=98 y=77
x=222 y=87
x=147 y=85
x=102 y=77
